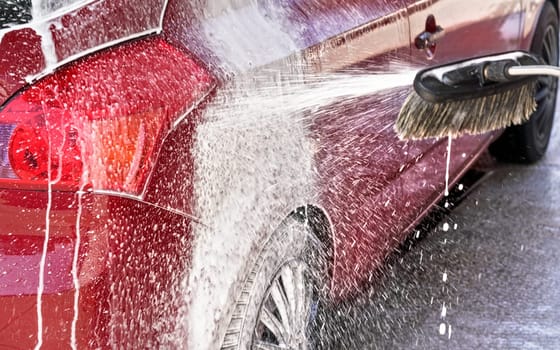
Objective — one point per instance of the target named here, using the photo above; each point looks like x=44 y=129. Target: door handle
x=427 y=40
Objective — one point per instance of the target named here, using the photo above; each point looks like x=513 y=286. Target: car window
x=13 y=12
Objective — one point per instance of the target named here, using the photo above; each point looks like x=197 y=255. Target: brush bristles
x=420 y=119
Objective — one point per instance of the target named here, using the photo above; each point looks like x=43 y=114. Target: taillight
x=101 y=120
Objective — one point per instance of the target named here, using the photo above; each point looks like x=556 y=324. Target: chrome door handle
x=427 y=39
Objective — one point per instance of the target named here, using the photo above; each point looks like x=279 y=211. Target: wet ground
x=486 y=277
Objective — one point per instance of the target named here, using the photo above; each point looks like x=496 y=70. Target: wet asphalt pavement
x=491 y=281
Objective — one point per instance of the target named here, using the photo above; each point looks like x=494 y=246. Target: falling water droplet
x=449 y=141
x=442 y=329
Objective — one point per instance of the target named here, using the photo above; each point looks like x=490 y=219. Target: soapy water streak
x=75 y=276
x=75 y=279
x=308 y=95
x=43 y=261
x=448 y=164
x=446 y=328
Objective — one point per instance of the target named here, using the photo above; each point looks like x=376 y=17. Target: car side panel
x=373 y=185
x=471 y=29
x=243 y=188
x=357 y=157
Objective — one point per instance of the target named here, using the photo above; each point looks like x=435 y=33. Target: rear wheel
x=527 y=143
x=287 y=309
x=279 y=306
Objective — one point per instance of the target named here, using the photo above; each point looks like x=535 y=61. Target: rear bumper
x=131 y=260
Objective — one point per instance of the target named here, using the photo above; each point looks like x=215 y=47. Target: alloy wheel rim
x=287 y=310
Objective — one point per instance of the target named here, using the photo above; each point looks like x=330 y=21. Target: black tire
x=527 y=143
x=292 y=249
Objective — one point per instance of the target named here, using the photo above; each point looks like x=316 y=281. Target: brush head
x=468 y=97
x=420 y=119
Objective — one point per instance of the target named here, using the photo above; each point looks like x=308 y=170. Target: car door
x=375 y=186
x=443 y=31
x=467 y=29
x=359 y=158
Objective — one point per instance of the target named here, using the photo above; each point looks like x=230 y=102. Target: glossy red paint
x=113 y=301
x=112 y=229
x=385 y=197
x=136 y=250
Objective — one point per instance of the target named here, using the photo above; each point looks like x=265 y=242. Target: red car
x=170 y=176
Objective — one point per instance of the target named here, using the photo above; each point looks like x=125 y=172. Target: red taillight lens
x=28 y=151
x=37 y=149
x=101 y=120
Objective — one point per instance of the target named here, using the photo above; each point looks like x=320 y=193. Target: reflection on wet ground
x=485 y=277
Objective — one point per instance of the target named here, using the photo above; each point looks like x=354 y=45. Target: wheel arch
x=320 y=223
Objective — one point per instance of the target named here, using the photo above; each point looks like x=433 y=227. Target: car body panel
x=370 y=163
x=367 y=228
x=111 y=306
x=476 y=28
x=275 y=64
x=168 y=264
